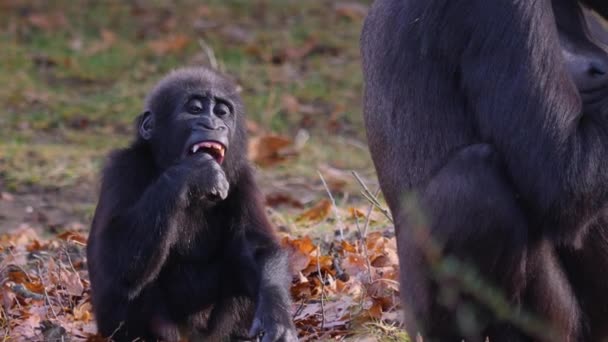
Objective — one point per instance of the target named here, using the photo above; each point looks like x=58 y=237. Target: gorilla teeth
x=215 y=149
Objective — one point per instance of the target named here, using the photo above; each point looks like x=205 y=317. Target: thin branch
x=372 y=198
x=334 y=206
x=362 y=235
x=209 y=53
x=46 y=294
x=322 y=287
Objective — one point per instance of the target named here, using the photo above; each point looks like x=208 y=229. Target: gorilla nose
x=588 y=71
x=598 y=68
x=210 y=125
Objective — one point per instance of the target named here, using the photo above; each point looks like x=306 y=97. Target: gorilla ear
x=146 y=125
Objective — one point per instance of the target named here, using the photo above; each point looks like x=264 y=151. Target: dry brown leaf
x=27 y=329
x=283 y=198
x=22 y=236
x=381 y=261
x=304 y=245
x=324 y=262
x=252 y=127
x=5 y=196
x=269 y=150
x=301 y=290
x=375 y=242
x=33 y=246
x=299 y=253
x=299 y=261
x=83 y=312
x=351 y=10
x=72 y=284
x=299 y=52
x=347 y=247
x=9 y=298
x=32 y=284
x=354 y=264
x=375 y=311
x=290 y=103
x=47 y=21
x=356 y=213
x=108 y=38
x=335 y=178
x=170 y=44
x=317 y=213
x=73 y=236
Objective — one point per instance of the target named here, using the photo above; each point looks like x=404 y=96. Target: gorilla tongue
x=215 y=149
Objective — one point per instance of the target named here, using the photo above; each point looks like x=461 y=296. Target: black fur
x=495 y=115
x=180 y=246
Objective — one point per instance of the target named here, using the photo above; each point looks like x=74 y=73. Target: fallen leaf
x=317 y=213
x=351 y=10
x=170 y=44
x=108 y=38
x=73 y=236
x=335 y=178
x=354 y=264
x=269 y=150
x=83 y=312
x=296 y=52
x=72 y=284
x=290 y=103
x=47 y=21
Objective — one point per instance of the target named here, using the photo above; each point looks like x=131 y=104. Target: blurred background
x=73 y=76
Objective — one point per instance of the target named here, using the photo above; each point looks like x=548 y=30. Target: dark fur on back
x=469 y=106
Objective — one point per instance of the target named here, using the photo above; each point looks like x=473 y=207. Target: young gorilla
x=180 y=246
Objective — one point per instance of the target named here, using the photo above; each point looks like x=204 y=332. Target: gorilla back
x=180 y=246
x=494 y=114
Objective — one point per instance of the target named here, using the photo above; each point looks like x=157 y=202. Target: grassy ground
x=74 y=75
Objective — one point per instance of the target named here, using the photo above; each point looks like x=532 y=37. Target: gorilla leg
x=473 y=215
x=549 y=294
x=586 y=266
x=230 y=320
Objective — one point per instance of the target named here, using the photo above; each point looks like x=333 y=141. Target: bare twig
x=334 y=206
x=7 y=321
x=299 y=309
x=67 y=254
x=210 y=54
x=116 y=330
x=371 y=197
x=322 y=288
x=46 y=294
x=362 y=235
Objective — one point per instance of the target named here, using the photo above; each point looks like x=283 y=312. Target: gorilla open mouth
x=213 y=148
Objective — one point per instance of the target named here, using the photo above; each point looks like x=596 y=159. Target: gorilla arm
x=532 y=111
x=135 y=233
x=270 y=262
x=600 y=6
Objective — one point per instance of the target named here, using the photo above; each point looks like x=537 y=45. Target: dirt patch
x=48 y=210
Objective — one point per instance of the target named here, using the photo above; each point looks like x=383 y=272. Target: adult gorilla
x=495 y=115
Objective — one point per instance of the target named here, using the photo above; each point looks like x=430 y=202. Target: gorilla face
x=585 y=59
x=192 y=116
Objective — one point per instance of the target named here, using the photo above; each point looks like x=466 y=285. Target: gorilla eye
x=221 y=109
x=194 y=106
